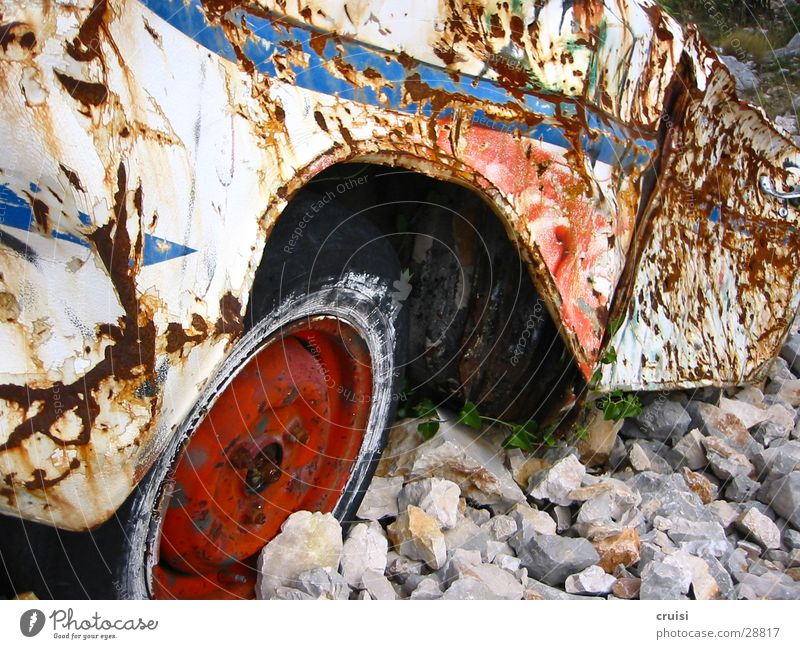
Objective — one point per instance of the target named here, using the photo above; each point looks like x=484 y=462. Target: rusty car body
x=148 y=147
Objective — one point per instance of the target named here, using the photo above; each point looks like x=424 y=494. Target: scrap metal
x=148 y=148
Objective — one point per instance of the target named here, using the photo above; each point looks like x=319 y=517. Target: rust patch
x=10 y=33
x=86 y=45
x=86 y=92
x=138 y=200
x=318 y=41
x=153 y=33
x=320 y=121
x=230 y=320
x=496 y=28
x=445 y=53
x=177 y=336
x=131 y=357
x=28 y=40
x=9 y=307
x=40 y=481
x=41 y=213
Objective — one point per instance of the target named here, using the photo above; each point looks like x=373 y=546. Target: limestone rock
x=380 y=500
x=761 y=529
x=662 y=581
x=523 y=466
x=664 y=419
x=741 y=489
x=702 y=486
x=790 y=352
x=552 y=559
x=725 y=514
x=322 y=583
x=743 y=73
x=477 y=516
x=306 y=541
x=595 y=448
x=417 y=535
x=500 y=528
x=457 y=561
x=715 y=423
x=457 y=454
x=668 y=496
x=747 y=413
x=691 y=451
x=365 y=549
x=696 y=570
x=695 y=537
x=783 y=495
x=787 y=390
x=466 y=535
x=619 y=550
x=378 y=586
x=401 y=568
x=643 y=458
x=791 y=538
x=590 y=581
x=501 y=583
x=436 y=497
x=556 y=482
x=726 y=462
x=427 y=588
x=536 y=590
x=530 y=521
x=627 y=588
x=770 y=585
x=777 y=461
x=469 y=588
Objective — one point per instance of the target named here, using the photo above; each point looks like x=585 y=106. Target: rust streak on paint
x=86 y=45
x=86 y=92
x=131 y=357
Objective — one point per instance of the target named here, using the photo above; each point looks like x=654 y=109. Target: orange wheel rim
x=282 y=436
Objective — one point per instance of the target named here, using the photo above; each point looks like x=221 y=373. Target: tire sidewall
x=362 y=300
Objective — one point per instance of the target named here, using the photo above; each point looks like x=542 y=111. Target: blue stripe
x=607 y=142
x=16 y=212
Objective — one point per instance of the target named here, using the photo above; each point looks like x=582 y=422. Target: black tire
x=333 y=264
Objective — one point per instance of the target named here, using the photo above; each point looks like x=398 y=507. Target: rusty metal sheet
x=480 y=81
x=149 y=146
x=715 y=276
x=101 y=190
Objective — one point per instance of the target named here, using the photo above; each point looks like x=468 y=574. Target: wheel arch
x=446 y=169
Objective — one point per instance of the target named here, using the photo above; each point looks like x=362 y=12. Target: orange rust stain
x=562 y=219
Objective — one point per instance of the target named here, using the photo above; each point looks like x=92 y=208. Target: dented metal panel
x=573 y=207
x=715 y=278
x=102 y=191
x=147 y=148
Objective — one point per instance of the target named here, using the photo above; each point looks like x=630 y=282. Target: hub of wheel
x=282 y=436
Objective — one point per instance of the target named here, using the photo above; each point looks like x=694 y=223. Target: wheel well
x=480 y=331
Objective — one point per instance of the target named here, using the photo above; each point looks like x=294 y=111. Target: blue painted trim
x=157 y=250
x=609 y=142
x=16 y=212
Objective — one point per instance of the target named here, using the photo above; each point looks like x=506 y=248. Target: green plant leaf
x=582 y=432
x=615 y=324
x=425 y=408
x=428 y=429
x=609 y=357
x=469 y=416
x=618 y=405
x=523 y=436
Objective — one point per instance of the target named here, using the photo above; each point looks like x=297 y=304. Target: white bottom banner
x=403 y=625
